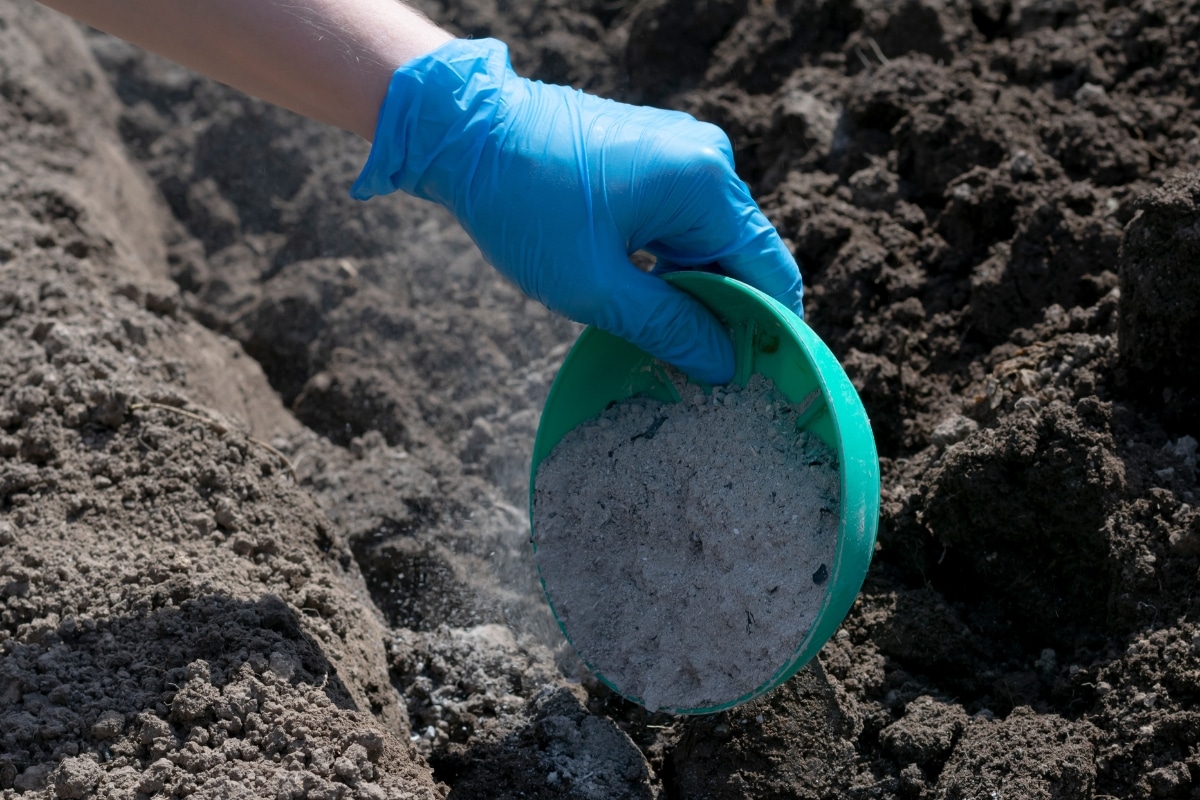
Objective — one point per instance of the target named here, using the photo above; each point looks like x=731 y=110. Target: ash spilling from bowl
x=687 y=548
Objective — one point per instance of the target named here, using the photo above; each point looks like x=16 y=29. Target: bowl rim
x=858 y=463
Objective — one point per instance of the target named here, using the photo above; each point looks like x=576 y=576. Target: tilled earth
x=263 y=449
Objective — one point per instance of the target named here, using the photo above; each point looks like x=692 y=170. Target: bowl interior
x=771 y=340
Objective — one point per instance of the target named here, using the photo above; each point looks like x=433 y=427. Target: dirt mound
x=995 y=205
x=178 y=616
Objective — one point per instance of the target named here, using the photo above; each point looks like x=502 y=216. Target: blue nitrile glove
x=558 y=188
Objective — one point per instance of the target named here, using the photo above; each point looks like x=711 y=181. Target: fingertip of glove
x=710 y=374
x=793 y=299
x=711 y=364
x=671 y=326
x=708 y=355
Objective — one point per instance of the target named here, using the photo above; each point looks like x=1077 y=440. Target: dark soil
x=997 y=206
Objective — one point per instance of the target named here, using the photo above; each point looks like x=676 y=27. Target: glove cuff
x=434 y=121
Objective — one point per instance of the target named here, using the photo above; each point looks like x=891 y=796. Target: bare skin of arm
x=330 y=60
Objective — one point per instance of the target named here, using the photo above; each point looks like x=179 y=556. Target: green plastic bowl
x=769 y=339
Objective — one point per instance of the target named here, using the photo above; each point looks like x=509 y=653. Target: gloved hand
x=558 y=188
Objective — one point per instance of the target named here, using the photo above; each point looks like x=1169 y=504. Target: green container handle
x=771 y=340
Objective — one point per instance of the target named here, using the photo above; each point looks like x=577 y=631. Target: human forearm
x=330 y=60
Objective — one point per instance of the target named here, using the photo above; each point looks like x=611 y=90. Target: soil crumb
x=687 y=547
